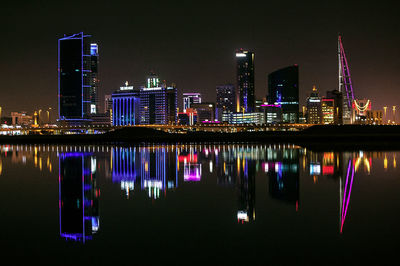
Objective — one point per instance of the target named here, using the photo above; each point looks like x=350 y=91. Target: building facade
x=125 y=106
x=189 y=98
x=328 y=111
x=245 y=81
x=225 y=98
x=314 y=108
x=283 y=89
x=77 y=77
x=205 y=111
x=158 y=105
x=244 y=118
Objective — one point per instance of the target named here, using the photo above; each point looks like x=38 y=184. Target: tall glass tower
x=77 y=77
x=283 y=89
x=245 y=81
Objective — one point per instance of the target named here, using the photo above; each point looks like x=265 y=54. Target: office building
x=283 y=89
x=189 y=98
x=21 y=119
x=374 y=117
x=273 y=113
x=77 y=77
x=125 y=106
x=205 y=112
x=328 y=111
x=314 y=108
x=337 y=96
x=158 y=103
x=245 y=81
x=225 y=100
x=244 y=118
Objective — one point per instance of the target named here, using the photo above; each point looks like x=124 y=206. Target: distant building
x=189 y=118
x=244 y=118
x=189 y=98
x=158 y=105
x=77 y=77
x=273 y=113
x=314 y=108
x=337 y=96
x=328 y=111
x=108 y=104
x=205 y=111
x=125 y=106
x=374 y=117
x=21 y=119
x=359 y=111
x=245 y=81
x=226 y=98
x=283 y=89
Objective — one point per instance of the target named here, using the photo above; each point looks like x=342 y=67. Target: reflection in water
x=78 y=196
x=154 y=170
x=283 y=172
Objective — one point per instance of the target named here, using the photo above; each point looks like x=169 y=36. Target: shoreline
x=316 y=137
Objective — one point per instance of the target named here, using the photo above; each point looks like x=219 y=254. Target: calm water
x=198 y=204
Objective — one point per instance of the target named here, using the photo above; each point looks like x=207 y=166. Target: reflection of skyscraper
x=284 y=176
x=124 y=165
x=158 y=170
x=247 y=190
x=78 y=196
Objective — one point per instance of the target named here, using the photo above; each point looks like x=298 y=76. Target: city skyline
x=208 y=60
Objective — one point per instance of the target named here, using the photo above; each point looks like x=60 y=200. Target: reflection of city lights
x=211 y=166
x=1 y=167
x=385 y=163
x=242 y=216
x=394 y=160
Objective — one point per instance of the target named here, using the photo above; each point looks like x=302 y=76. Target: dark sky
x=192 y=43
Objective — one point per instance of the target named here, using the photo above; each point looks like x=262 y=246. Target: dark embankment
x=323 y=137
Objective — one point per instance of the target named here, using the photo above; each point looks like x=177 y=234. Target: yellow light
x=394 y=161
x=385 y=162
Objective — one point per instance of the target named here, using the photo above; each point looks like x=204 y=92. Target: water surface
x=198 y=204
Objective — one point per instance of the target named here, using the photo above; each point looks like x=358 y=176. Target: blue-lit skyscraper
x=125 y=106
x=283 y=89
x=77 y=77
x=245 y=81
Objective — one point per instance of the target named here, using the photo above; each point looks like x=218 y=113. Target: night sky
x=192 y=43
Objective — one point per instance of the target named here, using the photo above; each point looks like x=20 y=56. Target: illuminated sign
x=315 y=169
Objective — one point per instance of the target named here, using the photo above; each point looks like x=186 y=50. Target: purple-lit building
x=245 y=81
x=77 y=78
x=78 y=196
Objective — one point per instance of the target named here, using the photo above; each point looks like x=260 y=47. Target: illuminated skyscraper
x=314 y=108
x=225 y=100
x=77 y=77
x=125 y=106
x=158 y=102
x=245 y=81
x=283 y=89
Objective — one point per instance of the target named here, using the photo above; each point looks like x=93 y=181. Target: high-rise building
x=328 y=111
x=314 y=108
x=226 y=98
x=189 y=98
x=125 y=106
x=245 y=81
x=359 y=111
x=283 y=89
x=77 y=77
x=158 y=103
x=337 y=96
